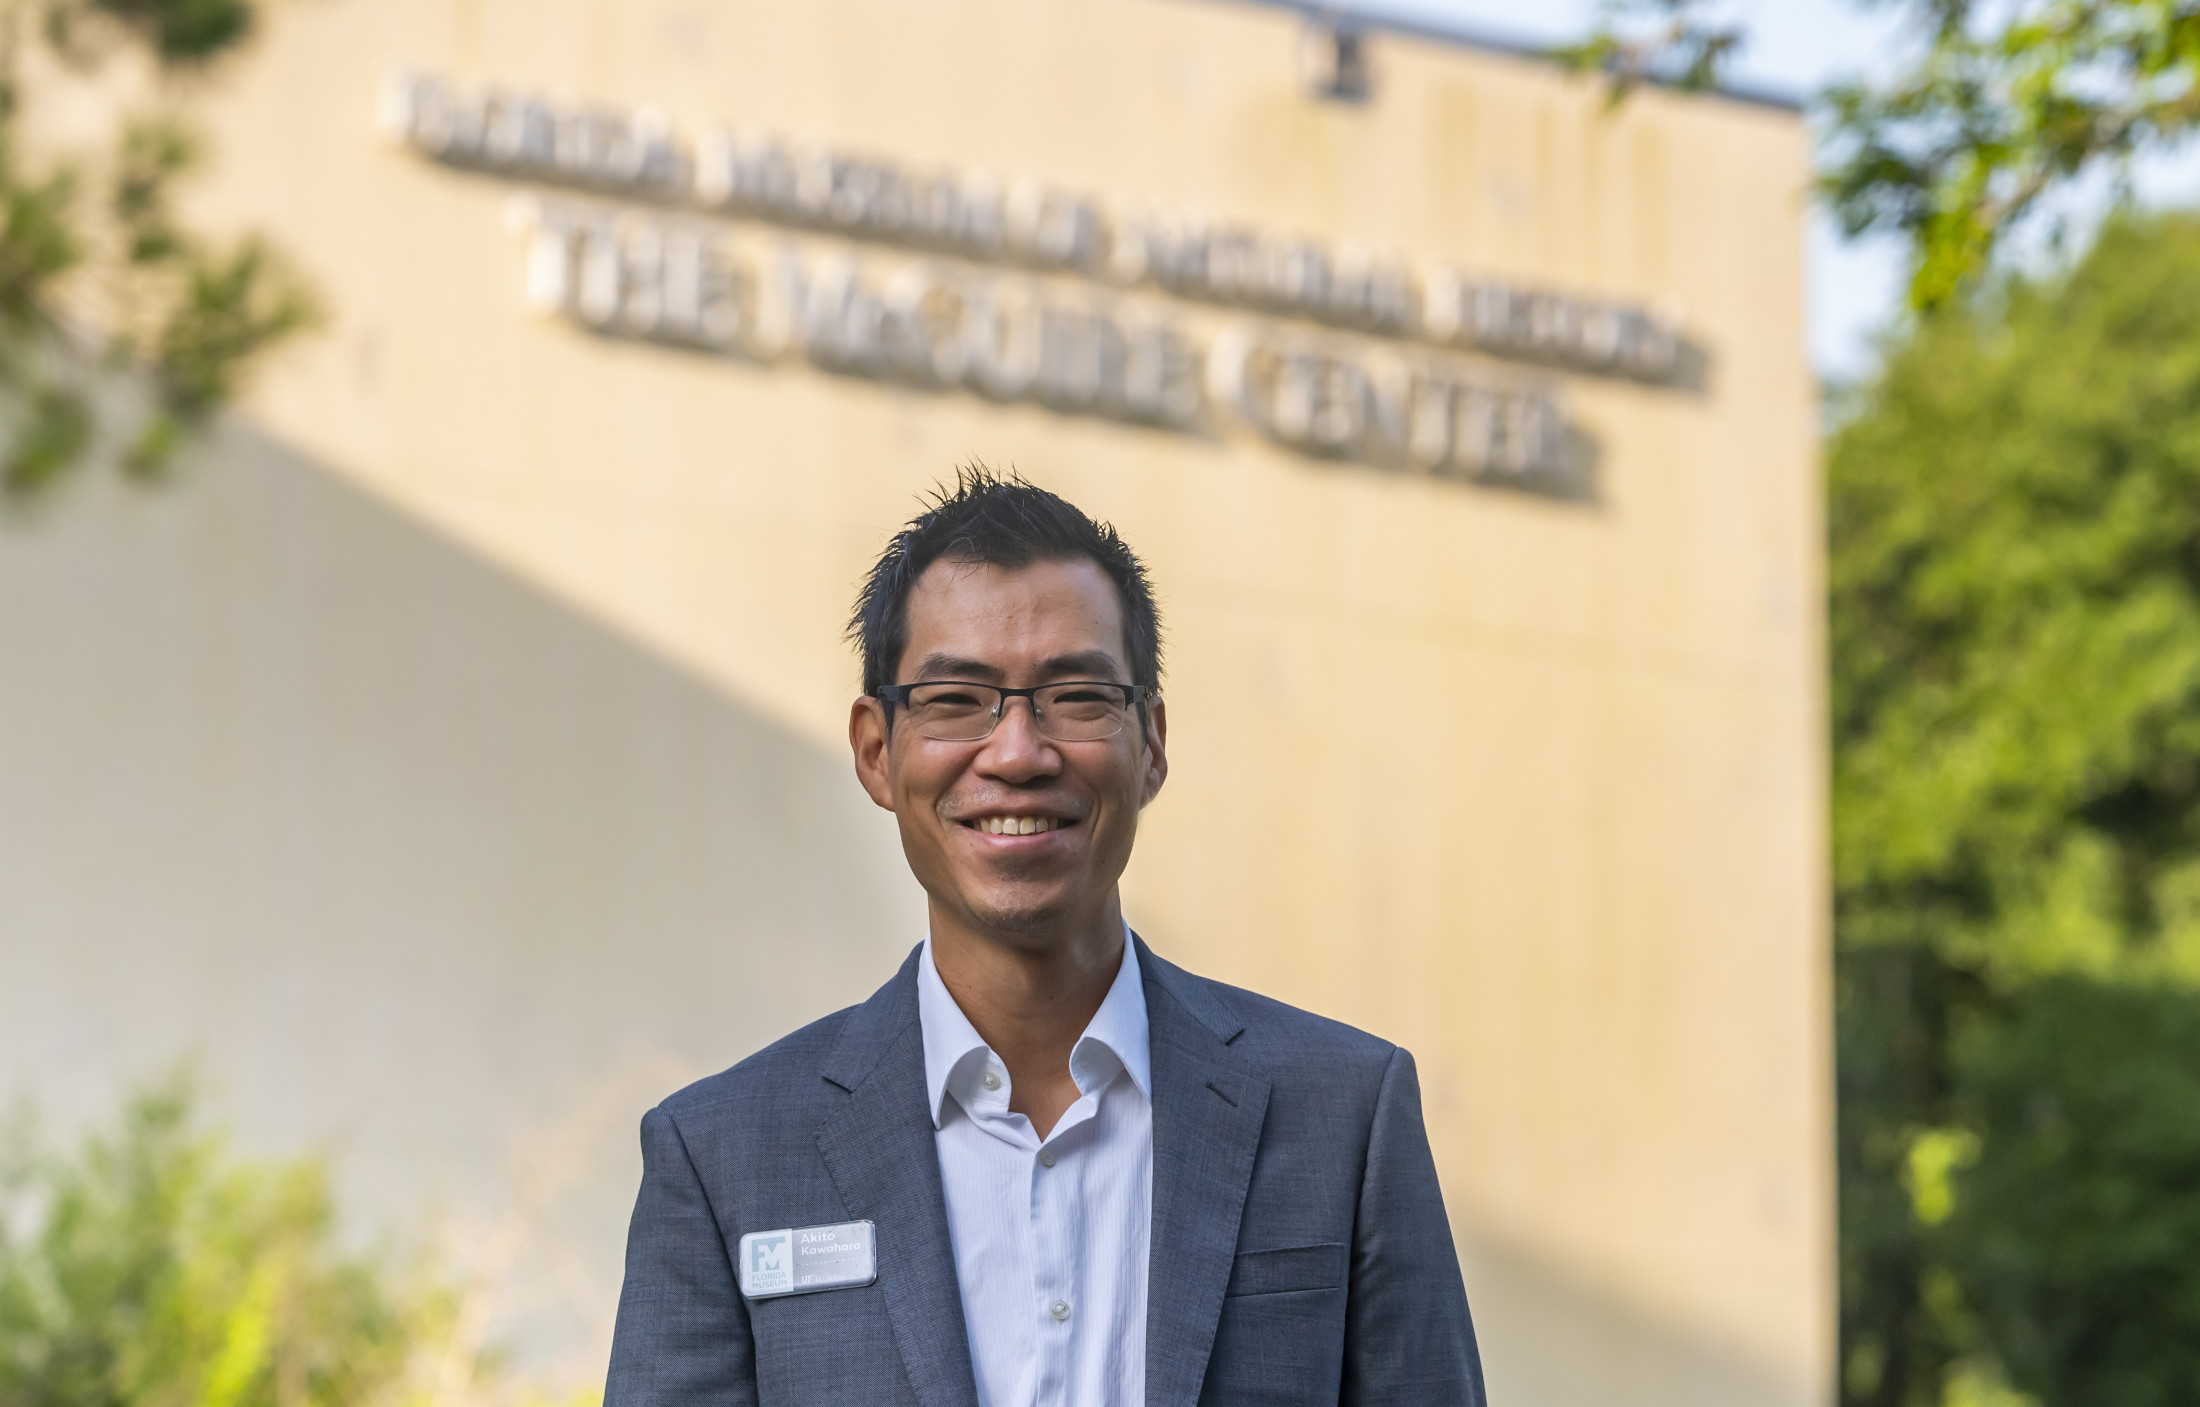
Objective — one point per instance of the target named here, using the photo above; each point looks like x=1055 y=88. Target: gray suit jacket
x=1300 y=1252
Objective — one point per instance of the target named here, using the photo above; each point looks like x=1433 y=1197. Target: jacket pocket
x=1292 y=1268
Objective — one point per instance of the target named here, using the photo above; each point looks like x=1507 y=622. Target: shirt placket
x=1043 y=1243
x=1058 y=1283
x=1052 y=1309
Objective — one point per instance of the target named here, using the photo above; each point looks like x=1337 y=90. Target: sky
x=1794 y=47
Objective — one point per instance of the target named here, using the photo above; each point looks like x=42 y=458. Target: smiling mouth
x=1017 y=825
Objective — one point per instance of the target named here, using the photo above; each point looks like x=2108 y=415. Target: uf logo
x=768 y=1255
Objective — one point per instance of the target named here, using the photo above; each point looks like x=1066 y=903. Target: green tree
x=103 y=290
x=154 y=1269
x=2078 y=1234
x=1993 y=110
x=2015 y=591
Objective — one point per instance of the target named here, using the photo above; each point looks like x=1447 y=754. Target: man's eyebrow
x=1085 y=664
x=945 y=666
x=1088 y=664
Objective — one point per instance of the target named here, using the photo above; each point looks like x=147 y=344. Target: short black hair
x=997 y=520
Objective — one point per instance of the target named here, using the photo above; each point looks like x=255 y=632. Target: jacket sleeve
x=682 y=1338
x=1408 y=1339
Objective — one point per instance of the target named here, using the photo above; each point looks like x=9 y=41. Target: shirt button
x=1059 y=1309
x=1046 y=1160
x=991 y=1080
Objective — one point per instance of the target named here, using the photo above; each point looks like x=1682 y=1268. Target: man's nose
x=1016 y=750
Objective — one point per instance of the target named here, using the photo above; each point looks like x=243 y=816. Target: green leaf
x=184 y=31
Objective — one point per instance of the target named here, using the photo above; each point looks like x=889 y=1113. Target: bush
x=153 y=1269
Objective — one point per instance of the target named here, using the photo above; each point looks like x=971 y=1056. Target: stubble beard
x=1023 y=919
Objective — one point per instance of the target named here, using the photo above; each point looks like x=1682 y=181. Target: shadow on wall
x=440 y=876
x=431 y=871
x=1551 y=1339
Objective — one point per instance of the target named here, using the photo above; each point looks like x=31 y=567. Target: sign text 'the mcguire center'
x=1074 y=326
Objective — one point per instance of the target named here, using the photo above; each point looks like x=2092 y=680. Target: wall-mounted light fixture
x=1333 y=60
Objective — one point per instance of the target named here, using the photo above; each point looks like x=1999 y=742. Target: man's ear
x=1156 y=733
x=870 y=739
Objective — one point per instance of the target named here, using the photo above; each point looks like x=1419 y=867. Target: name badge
x=805 y=1258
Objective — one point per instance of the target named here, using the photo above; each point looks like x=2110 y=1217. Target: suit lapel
x=1208 y=1103
x=880 y=1152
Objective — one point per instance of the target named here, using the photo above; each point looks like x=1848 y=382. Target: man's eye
x=952 y=698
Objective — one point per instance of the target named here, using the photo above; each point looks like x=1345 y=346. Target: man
x=1041 y=1167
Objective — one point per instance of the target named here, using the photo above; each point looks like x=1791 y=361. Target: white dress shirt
x=1050 y=1237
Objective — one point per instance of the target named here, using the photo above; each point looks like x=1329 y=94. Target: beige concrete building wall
x=1530 y=783
x=425 y=873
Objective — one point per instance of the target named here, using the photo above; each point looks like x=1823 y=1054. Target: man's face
x=1049 y=622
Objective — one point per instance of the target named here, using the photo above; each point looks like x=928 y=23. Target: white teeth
x=1018 y=825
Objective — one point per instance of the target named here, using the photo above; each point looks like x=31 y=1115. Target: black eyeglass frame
x=1134 y=696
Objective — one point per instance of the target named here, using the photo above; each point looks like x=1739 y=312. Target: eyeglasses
x=953 y=711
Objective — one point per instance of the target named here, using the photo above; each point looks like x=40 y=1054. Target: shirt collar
x=1117 y=1035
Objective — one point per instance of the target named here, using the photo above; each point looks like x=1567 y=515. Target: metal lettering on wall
x=1080 y=331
